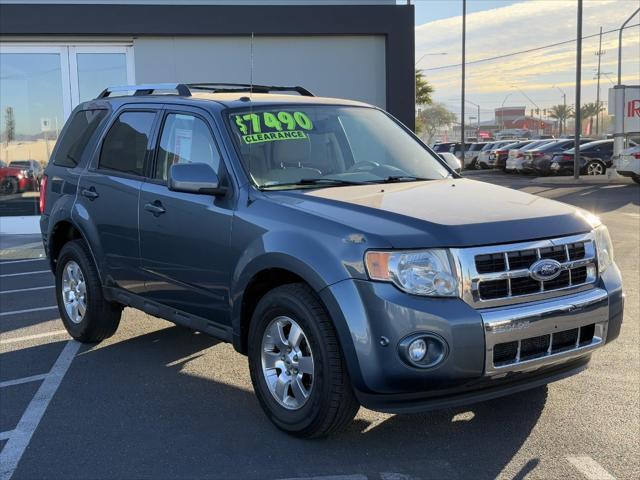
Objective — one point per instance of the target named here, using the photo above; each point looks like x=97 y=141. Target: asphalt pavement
x=157 y=401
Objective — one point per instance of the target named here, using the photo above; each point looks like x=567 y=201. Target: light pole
x=502 y=110
x=620 y=45
x=478 y=119
x=429 y=54
x=599 y=54
x=464 y=40
x=564 y=102
x=577 y=130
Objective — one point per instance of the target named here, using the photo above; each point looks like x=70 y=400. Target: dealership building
x=56 y=54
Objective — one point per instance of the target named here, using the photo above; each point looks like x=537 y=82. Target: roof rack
x=245 y=87
x=184 y=89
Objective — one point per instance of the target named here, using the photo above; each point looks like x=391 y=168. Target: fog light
x=423 y=350
x=417 y=350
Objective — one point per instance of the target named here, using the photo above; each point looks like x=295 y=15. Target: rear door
x=109 y=190
x=184 y=236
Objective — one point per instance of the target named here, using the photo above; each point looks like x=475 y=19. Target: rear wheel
x=595 y=167
x=86 y=315
x=297 y=368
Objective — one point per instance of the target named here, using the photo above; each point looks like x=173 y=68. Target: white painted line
x=591 y=469
x=24 y=273
x=5 y=435
x=21 y=436
x=7 y=262
x=20 y=381
x=27 y=289
x=32 y=337
x=28 y=310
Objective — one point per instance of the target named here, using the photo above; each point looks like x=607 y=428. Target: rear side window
x=77 y=136
x=125 y=146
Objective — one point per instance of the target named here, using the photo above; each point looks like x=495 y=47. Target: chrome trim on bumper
x=508 y=324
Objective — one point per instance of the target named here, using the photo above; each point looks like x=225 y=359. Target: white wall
x=350 y=67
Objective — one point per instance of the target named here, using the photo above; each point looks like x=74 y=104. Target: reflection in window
x=31 y=116
x=97 y=71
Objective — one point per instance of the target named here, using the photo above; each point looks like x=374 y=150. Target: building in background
x=56 y=54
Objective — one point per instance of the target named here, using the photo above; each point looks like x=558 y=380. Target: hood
x=441 y=213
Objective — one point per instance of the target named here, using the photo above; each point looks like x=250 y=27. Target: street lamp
x=478 y=118
x=434 y=54
x=564 y=97
x=502 y=110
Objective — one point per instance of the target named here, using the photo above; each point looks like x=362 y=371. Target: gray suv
x=324 y=241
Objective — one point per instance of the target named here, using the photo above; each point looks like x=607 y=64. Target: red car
x=14 y=180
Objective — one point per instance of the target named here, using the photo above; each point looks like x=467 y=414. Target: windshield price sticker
x=273 y=126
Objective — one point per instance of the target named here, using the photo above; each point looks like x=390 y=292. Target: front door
x=184 y=237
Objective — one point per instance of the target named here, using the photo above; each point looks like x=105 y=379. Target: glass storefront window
x=39 y=87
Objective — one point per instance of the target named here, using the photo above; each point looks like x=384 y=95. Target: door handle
x=90 y=193
x=156 y=208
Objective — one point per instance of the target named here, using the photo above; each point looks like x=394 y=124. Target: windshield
x=293 y=146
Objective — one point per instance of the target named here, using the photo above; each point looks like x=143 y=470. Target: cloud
x=523 y=26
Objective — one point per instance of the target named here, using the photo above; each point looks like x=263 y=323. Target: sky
x=497 y=27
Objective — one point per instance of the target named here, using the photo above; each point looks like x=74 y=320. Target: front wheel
x=86 y=314
x=9 y=186
x=297 y=368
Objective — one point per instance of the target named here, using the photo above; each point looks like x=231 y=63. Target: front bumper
x=372 y=318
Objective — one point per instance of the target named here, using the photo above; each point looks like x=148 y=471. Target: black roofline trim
x=395 y=22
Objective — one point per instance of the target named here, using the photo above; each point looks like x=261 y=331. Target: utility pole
x=464 y=40
x=576 y=155
x=599 y=53
x=563 y=120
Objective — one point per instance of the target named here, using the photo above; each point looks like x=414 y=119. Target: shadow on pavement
x=127 y=410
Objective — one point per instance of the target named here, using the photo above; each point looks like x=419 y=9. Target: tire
x=595 y=167
x=636 y=178
x=101 y=318
x=330 y=404
x=9 y=186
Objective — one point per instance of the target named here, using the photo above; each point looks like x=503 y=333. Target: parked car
x=538 y=160
x=453 y=161
x=32 y=168
x=514 y=153
x=471 y=155
x=326 y=243
x=487 y=158
x=595 y=158
x=443 y=147
x=514 y=162
x=457 y=149
x=628 y=163
x=501 y=154
x=14 y=180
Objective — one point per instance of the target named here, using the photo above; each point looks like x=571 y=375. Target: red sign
x=483 y=134
x=633 y=108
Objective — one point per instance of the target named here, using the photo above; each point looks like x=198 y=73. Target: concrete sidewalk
x=18 y=247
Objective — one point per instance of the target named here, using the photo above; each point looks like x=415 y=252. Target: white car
x=453 y=161
x=628 y=163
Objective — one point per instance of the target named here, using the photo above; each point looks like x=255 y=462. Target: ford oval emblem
x=545 y=270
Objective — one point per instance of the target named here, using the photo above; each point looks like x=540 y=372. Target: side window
x=125 y=146
x=185 y=139
x=76 y=137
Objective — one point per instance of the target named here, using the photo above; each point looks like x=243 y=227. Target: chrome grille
x=499 y=274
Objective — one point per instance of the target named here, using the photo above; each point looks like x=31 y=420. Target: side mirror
x=194 y=178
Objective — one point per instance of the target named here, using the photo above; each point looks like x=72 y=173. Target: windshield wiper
x=313 y=181
x=400 y=178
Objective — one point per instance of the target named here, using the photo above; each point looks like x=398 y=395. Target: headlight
x=604 y=247
x=420 y=272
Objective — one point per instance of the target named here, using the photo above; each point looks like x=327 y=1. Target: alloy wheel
x=74 y=292
x=595 y=168
x=287 y=362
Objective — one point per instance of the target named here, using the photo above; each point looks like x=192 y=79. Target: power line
x=506 y=55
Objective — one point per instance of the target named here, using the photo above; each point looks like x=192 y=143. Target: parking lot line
x=7 y=262
x=590 y=468
x=32 y=337
x=28 y=310
x=20 y=437
x=20 y=381
x=27 y=289
x=24 y=273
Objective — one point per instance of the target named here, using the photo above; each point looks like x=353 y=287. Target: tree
x=561 y=113
x=588 y=111
x=423 y=90
x=432 y=117
x=10 y=125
